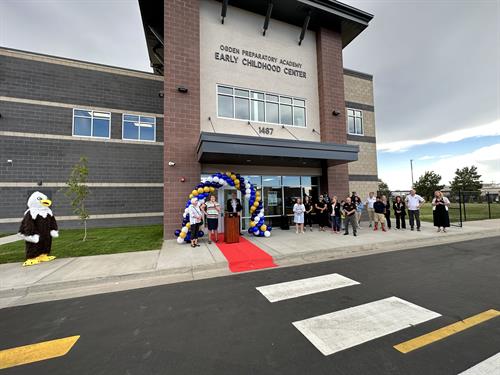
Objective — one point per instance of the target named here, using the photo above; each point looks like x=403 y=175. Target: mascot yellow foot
x=45 y=258
x=31 y=262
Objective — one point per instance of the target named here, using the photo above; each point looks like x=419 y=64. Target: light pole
x=411 y=166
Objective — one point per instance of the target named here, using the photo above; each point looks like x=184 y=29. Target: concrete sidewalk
x=72 y=277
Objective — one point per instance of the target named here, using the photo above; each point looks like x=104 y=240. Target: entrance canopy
x=241 y=149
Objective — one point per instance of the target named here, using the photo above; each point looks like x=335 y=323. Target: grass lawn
x=474 y=211
x=99 y=241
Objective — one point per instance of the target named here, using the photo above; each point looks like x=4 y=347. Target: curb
x=221 y=268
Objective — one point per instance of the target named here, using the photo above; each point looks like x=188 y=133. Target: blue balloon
x=177 y=232
x=269 y=229
x=201 y=233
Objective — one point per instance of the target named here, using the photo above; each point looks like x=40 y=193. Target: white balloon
x=256 y=233
x=247 y=191
x=184 y=229
x=261 y=213
x=180 y=240
x=215 y=179
x=256 y=223
x=201 y=201
x=267 y=233
x=223 y=182
x=247 y=185
x=186 y=210
x=184 y=215
x=247 y=196
x=209 y=178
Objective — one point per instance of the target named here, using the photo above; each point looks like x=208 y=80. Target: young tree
x=383 y=189
x=466 y=179
x=78 y=190
x=427 y=184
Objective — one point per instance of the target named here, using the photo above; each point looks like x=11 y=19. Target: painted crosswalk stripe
x=23 y=355
x=303 y=287
x=490 y=366
x=340 y=330
x=439 y=334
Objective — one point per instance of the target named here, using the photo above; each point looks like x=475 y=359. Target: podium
x=231 y=228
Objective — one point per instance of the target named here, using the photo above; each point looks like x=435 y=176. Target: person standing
x=359 y=210
x=335 y=215
x=234 y=206
x=321 y=213
x=440 y=213
x=195 y=218
x=212 y=212
x=298 y=216
x=414 y=202
x=399 y=213
x=369 y=207
x=349 y=209
x=387 y=212
x=308 y=212
x=379 y=208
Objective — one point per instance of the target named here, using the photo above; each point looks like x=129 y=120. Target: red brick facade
x=181 y=110
x=331 y=98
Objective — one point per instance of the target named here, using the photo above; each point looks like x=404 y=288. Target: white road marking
x=490 y=366
x=303 y=287
x=333 y=332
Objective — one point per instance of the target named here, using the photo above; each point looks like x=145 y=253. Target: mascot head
x=38 y=204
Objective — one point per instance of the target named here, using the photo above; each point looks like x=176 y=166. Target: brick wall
x=182 y=117
x=331 y=97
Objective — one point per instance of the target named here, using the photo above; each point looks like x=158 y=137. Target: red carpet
x=244 y=255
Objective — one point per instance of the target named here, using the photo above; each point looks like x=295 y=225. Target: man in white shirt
x=369 y=207
x=414 y=202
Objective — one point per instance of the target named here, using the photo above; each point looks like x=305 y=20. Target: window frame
x=91 y=124
x=140 y=122
x=355 y=117
x=265 y=101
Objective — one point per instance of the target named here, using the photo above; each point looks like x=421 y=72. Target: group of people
x=330 y=212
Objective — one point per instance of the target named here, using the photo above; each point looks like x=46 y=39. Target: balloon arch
x=216 y=181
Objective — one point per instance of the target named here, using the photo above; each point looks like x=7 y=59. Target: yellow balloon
x=257 y=194
x=252 y=224
x=191 y=196
x=194 y=192
x=257 y=199
x=200 y=190
x=188 y=225
x=228 y=174
x=182 y=235
x=263 y=227
x=233 y=177
x=256 y=204
x=206 y=189
x=212 y=189
x=252 y=209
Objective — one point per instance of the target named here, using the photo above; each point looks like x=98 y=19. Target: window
x=88 y=123
x=138 y=128
x=354 y=122
x=245 y=104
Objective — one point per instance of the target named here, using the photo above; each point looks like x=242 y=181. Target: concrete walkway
x=72 y=277
x=9 y=239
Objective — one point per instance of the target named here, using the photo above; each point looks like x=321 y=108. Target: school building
x=253 y=87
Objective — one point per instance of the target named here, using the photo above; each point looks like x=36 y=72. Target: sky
x=436 y=68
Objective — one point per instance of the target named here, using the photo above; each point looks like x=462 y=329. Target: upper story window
x=259 y=106
x=354 y=121
x=88 y=123
x=139 y=128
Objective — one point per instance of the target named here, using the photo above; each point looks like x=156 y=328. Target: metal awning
x=241 y=149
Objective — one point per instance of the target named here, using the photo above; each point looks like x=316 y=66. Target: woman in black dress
x=321 y=213
x=387 y=211
x=308 y=213
x=399 y=212
x=440 y=214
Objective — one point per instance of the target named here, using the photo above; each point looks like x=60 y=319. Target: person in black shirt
x=308 y=212
x=349 y=209
x=335 y=215
x=387 y=211
x=321 y=213
x=399 y=212
x=379 y=208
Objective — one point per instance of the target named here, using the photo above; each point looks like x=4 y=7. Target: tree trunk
x=85 y=230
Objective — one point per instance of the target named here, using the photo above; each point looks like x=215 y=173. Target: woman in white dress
x=298 y=216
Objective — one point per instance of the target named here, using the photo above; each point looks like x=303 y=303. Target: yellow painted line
x=41 y=351
x=444 y=332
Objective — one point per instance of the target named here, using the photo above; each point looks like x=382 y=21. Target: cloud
x=491 y=129
x=487 y=160
x=426 y=157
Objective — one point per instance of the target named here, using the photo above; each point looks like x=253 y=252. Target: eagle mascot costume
x=37 y=229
